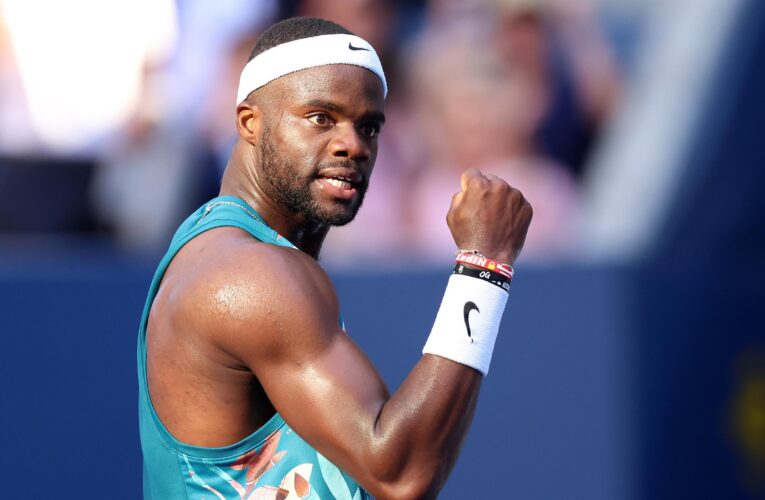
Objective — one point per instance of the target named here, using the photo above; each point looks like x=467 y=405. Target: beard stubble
x=294 y=191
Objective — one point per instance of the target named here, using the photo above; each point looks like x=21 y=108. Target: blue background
x=547 y=425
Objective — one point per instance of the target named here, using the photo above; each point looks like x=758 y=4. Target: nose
x=348 y=143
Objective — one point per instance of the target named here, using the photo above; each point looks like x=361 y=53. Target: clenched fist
x=489 y=215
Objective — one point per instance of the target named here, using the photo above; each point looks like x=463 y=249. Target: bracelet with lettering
x=492 y=277
x=477 y=259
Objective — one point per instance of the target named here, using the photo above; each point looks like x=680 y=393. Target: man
x=256 y=390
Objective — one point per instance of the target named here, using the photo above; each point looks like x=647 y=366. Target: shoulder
x=236 y=291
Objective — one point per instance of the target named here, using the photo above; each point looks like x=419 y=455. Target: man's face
x=319 y=140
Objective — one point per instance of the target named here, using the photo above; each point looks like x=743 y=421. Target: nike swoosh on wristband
x=469 y=306
x=350 y=46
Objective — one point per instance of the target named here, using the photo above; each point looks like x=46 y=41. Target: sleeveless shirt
x=274 y=462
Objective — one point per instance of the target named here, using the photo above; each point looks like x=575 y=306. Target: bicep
x=317 y=378
x=330 y=395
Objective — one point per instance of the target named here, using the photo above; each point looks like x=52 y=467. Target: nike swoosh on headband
x=350 y=46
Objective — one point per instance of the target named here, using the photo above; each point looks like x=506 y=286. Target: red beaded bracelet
x=477 y=259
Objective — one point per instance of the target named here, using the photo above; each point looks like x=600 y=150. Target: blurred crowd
x=117 y=118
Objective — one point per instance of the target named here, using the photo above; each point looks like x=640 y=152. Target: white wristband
x=467 y=322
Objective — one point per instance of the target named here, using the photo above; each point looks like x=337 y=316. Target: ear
x=249 y=122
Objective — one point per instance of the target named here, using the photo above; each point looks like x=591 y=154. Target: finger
x=457 y=198
x=493 y=178
x=469 y=175
x=499 y=183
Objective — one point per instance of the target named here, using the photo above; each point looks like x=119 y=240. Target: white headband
x=308 y=53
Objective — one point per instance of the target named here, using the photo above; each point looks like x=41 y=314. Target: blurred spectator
x=516 y=87
x=69 y=80
x=475 y=109
x=172 y=152
x=559 y=46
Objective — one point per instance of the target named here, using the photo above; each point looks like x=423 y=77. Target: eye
x=320 y=119
x=370 y=129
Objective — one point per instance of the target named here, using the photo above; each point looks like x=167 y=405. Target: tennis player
x=249 y=385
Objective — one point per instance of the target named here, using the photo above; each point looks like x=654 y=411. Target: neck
x=241 y=179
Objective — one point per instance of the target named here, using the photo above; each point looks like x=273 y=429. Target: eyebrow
x=330 y=106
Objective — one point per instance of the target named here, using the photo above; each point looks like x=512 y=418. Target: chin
x=335 y=215
x=338 y=212
x=328 y=212
x=339 y=218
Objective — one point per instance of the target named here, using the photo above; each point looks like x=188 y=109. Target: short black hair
x=295 y=28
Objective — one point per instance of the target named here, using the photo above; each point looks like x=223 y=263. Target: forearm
x=420 y=429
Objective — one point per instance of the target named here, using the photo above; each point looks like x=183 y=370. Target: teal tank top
x=274 y=462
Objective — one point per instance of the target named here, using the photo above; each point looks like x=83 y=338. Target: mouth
x=340 y=182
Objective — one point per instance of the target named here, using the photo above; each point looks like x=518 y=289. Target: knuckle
x=480 y=180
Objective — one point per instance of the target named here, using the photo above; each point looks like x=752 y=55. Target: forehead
x=341 y=83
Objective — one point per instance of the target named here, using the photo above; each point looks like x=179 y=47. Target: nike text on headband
x=308 y=53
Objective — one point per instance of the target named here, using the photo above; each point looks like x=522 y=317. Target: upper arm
x=279 y=317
